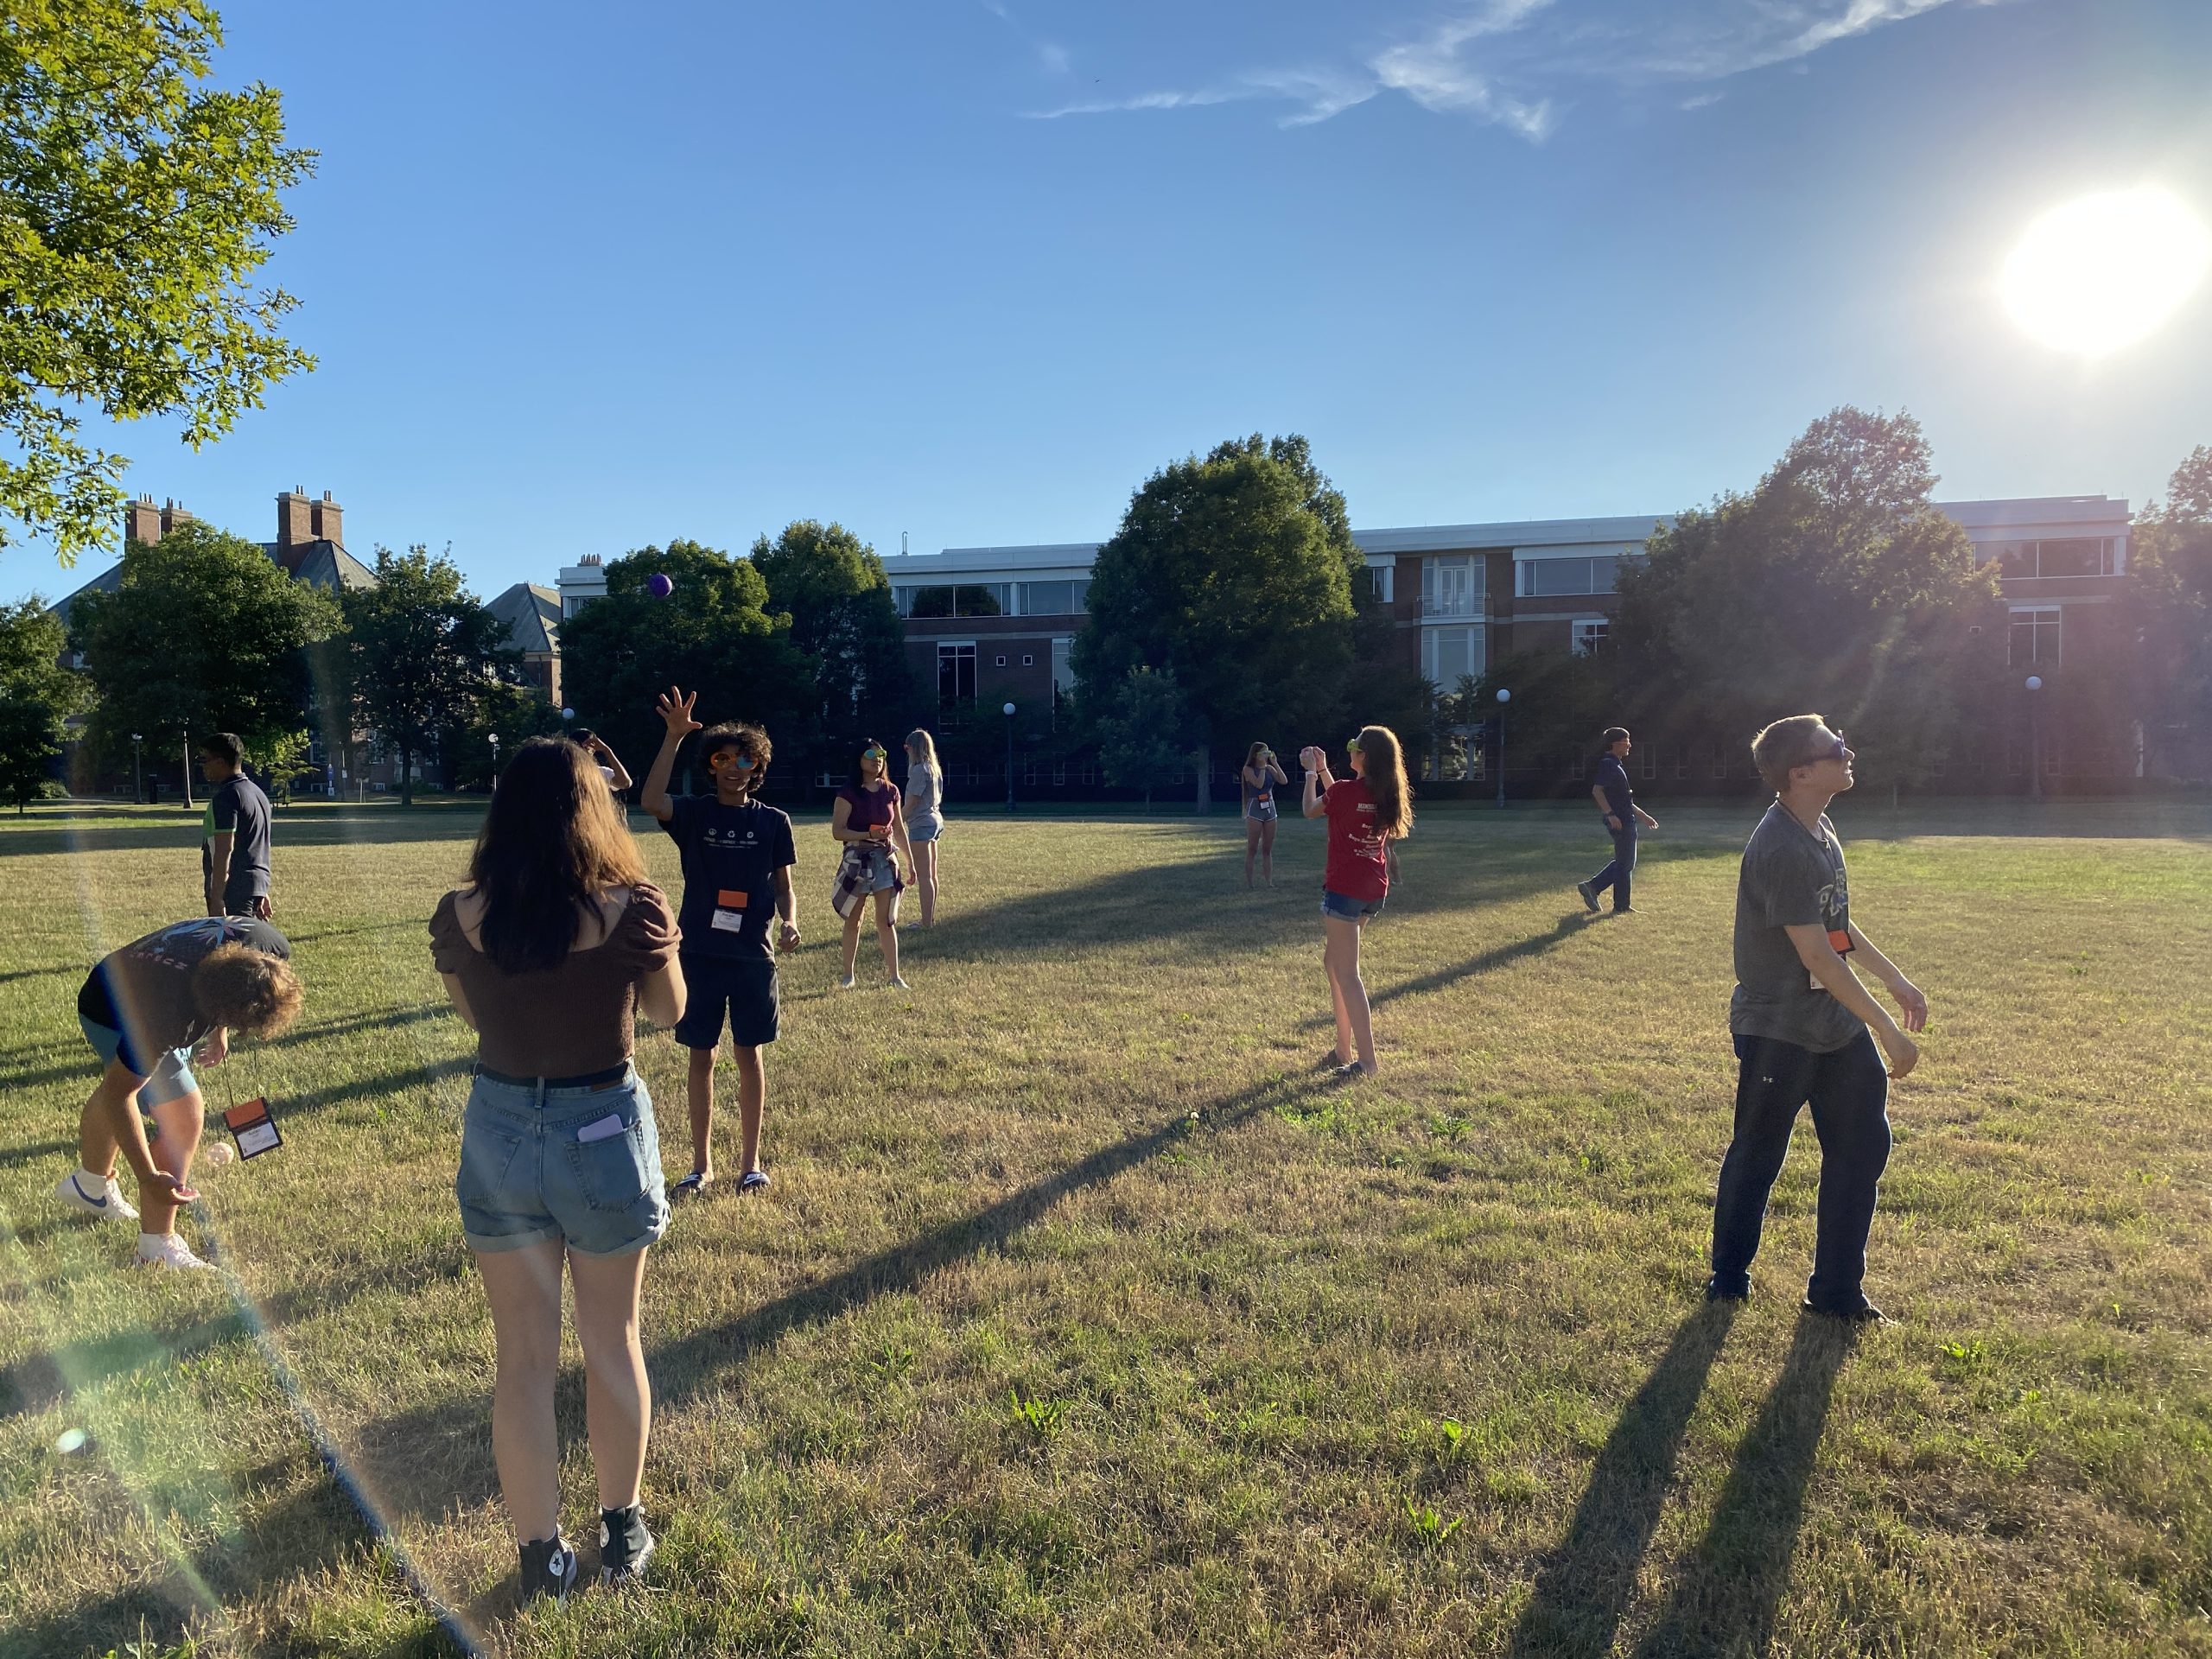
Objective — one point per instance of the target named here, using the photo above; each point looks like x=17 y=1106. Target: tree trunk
x=1204 y=758
x=406 y=777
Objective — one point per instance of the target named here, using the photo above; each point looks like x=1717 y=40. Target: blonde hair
x=1783 y=745
x=1386 y=781
x=921 y=750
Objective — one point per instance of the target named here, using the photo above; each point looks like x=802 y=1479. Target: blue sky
x=971 y=270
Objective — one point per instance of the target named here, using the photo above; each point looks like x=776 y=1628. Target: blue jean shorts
x=922 y=831
x=582 y=1165
x=1349 y=910
x=171 y=1078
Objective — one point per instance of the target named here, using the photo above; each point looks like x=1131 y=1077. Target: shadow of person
x=1495 y=956
x=1727 y=1590
x=1584 y=1585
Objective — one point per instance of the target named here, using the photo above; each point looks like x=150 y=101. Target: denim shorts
x=582 y=1165
x=1345 y=909
x=171 y=1078
x=921 y=832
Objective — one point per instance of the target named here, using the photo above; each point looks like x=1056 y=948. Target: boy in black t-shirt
x=737 y=871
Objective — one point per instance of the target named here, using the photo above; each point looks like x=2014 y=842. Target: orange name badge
x=730 y=899
x=252 y=1127
x=1840 y=941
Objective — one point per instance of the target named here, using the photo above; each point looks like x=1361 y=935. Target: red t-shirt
x=1355 y=866
x=869 y=807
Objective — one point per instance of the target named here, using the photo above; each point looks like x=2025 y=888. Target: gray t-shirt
x=239 y=809
x=1789 y=879
x=925 y=795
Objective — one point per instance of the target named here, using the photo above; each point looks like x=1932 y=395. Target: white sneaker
x=90 y=1196
x=899 y=984
x=846 y=984
x=168 y=1250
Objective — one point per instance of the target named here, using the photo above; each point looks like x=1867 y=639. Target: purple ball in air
x=659 y=587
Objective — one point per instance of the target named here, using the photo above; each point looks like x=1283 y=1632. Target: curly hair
x=248 y=991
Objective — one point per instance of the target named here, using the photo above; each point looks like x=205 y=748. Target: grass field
x=1085 y=1317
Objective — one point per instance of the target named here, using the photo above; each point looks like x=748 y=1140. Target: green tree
x=1144 y=730
x=2169 y=603
x=1235 y=573
x=36 y=695
x=1836 y=586
x=844 y=622
x=514 y=714
x=421 y=650
x=205 y=633
x=135 y=206
x=712 y=634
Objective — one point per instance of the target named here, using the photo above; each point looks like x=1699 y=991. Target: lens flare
x=2102 y=273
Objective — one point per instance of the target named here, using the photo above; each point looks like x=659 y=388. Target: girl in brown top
x=557 y=939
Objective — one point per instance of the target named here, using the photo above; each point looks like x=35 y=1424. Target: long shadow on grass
x=84 y=836
x=1584 y=1585
x=380 y=1019
x=1497 y=956
x=682 y=1370
x=1727 y=1589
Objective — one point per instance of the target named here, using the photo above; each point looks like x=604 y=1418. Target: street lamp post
x=1008 y=712
x=1504 y=696
x=137 y=783
x=494 y=736
x=2035 y=737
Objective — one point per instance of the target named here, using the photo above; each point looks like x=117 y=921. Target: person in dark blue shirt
x=737 y=874
x=1617 y=802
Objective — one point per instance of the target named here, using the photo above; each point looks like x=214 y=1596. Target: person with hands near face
x=610 y=764
x=738 y=854
x=1805 y=1029
x=1367 y=814
x=868 y=823
x=1261 y=772
x=144 y=1009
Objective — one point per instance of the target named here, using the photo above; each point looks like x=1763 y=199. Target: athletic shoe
x=753 y=1180
x=1589 y=896
x=93 y=1197
x=898 y=984
x=1864 y=1313
x=168 y=1250
x=548 y=1568
x=625 y=1546
x=1717 y=1292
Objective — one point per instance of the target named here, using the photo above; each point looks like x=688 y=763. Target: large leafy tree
x=135 y=206
x=712 y=633
x=205 y=632
x=1142 y=731
x=844 y=622
x=1836 y=586
x=2170 y=604
x=1235 y=573
x=421 y=651
x=36 y=695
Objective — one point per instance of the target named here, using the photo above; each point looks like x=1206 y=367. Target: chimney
x=295 y=526
x=328 y=519
x=172 y=515
x=142 y=521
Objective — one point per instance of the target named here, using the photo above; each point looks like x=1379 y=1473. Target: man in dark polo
x=1617 y=802
x=234 y=833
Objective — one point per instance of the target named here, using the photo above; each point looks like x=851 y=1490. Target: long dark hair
x=551 y=841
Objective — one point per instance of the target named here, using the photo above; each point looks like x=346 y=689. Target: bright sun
x=2105 y=271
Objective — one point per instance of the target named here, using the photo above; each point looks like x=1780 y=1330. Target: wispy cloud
x=1053 y=57
x=1510 y=63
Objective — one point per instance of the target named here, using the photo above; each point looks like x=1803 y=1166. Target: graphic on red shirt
x=1357 y=868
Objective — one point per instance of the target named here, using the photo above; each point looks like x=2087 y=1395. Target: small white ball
x=220 y=1153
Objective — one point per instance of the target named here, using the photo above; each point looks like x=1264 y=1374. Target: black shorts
x=746 y=986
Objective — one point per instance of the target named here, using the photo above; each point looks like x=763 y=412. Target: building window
x=1028 y=660
x=2076 y=555
x=1449 y=655
x=1381 y=582
x=1720 y=761
x=1451 y=585
x=1647 y=758
x=956 y=674
x=1590 y=634
x=1053 y=598
x=1062 y=671
x=1544 y=578
x=2035 y=636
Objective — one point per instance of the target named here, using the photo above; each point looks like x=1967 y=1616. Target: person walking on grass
x=737 y=878
x=1801 y=1022
x=233 y=833
x=924 y=809
x=1259 y=777
x=865 y=820
x=550 y=952
x=1616 y=801
x=1369 y=813
x=144 y=1009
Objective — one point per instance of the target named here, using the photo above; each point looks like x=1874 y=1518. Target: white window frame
x=1582 y=645
x=2013 y=612
x=1478 y=652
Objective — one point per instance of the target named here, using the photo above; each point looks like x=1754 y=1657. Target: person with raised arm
x=1805 y=1029
x=737 y=856
x=1369 y=813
